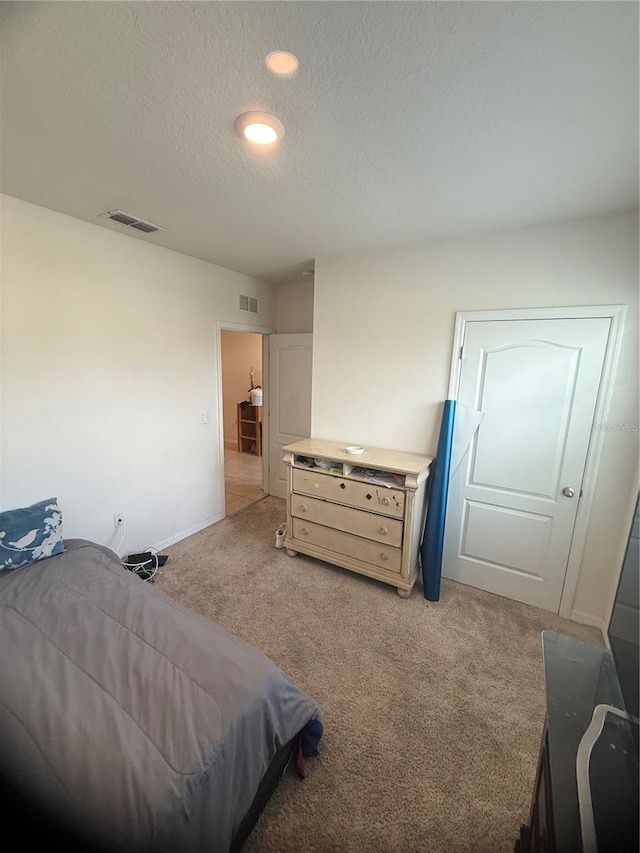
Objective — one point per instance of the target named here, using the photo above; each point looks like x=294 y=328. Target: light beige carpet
x=433 y=712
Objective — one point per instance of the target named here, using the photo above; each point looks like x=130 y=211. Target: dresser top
x=373 y=457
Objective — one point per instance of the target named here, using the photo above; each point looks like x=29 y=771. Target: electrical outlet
x=118 y=519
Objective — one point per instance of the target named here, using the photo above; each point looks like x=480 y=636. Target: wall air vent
x=132 y=221
x=248 y=303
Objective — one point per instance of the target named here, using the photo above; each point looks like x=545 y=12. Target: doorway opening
x=242 y=371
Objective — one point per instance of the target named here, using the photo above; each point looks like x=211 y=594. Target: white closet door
x=514 y=498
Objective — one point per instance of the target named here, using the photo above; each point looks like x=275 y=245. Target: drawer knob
x=384 y=531
x=384 y=555
x=305 y=531
x=316 y=485
x=385 y=501
x=303 y=507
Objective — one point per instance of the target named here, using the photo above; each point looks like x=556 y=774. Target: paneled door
x=289 y=401
x=513 y=500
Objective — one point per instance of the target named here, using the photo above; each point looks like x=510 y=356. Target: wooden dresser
x=363 y=512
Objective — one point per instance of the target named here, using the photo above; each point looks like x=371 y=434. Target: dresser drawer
x=363 y=495
x=366 y=524
x=383 y=556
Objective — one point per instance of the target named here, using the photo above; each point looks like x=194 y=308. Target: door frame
x=617 y=314
x=265 y=331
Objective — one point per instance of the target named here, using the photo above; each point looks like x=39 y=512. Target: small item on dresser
x=305 y=461
x=354 y=449
x=322 y=463
x=380 y=478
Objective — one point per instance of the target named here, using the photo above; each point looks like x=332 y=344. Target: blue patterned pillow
x=29 y=534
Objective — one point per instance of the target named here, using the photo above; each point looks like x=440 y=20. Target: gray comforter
x=130 y=713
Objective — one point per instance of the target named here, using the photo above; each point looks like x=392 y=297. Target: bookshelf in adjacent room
x=250 y=429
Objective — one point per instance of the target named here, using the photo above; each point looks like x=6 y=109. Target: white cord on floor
x=138 y=568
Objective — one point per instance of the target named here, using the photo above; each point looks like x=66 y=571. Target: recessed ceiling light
x=261 y=128
x=282 y=63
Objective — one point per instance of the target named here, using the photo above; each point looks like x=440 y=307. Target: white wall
x=108 y=359
x=294 y=307
x=383 y=332
x=240 y=351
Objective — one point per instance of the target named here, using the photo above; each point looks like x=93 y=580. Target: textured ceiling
x=405 y=120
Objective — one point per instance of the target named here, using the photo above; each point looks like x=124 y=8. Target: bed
x=135 y=718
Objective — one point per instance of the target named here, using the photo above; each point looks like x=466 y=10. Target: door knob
x=568 y=492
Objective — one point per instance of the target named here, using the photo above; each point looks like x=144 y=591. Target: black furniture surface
x=578 y=678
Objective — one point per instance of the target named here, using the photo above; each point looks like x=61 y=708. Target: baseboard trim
x=589 y=619
x=184 y=534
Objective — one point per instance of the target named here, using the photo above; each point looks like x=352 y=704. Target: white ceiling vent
x=132 y=221
x=248 y=303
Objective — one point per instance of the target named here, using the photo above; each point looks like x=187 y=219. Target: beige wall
x=383 y=332
x=294 y=307
x=240 y=352
x=109 y=359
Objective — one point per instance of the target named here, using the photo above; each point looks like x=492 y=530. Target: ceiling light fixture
x=261 y=128
x=282 y=63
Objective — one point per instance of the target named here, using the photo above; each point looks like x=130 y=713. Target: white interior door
x=513 y=500
x=289 y=400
